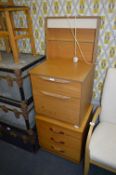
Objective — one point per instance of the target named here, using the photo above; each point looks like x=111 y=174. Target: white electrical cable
x=77 y=42
x=75 y=58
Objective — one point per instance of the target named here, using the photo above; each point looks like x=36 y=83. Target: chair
x=3 y=24
x=101 y=140
x=10 y=32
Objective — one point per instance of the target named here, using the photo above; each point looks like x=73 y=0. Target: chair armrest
x=92 y=125
x=95 y=118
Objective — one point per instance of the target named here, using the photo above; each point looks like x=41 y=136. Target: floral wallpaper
x=106 y=9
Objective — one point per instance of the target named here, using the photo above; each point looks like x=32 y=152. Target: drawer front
x=49 y=126
x=54 y=85
x=58 y=140
x=63 y=108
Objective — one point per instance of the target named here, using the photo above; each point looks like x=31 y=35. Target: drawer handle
x=61 y=142
x=56 y=132
x=52 y=79
x=55 y=95
x=57 y=149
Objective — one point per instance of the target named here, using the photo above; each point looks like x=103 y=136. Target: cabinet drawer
x=59 y=140
x=63 y=108
x=49 y=126
x=55 y=85
x=71 y=152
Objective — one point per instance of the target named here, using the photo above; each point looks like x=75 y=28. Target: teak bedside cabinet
x=62 y=89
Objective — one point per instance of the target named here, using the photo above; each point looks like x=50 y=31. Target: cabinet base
x=63 y=139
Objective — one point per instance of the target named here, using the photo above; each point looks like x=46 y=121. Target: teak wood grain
x=65 y=88
x=60 y=41
x=63 y=69
x=63 y=108
x=65 y=50
x=83 y=35
x=50 y=96
x=61 y=138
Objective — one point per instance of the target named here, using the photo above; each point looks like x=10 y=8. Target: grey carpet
x=16 y=161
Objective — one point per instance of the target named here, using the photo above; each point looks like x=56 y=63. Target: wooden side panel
x=60 y=43
x=60 y=50
x=60 y=37
x=65 y=50
x=83 y=35
x=86 y=94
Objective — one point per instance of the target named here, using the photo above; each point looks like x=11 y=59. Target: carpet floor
x=16 y=161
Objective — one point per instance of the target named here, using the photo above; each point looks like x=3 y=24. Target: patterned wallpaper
x=107 y=38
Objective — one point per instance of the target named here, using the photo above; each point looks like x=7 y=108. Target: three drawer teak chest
x=62 y=88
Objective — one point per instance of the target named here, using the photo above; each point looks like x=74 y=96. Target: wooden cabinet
x=63 y=139
x=69 y=90
x=62 y=89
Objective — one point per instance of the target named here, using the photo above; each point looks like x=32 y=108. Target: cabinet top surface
x=64 y=69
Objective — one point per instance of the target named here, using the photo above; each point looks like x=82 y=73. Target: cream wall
x=107 y=38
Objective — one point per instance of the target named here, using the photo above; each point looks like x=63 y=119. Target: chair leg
x=0 y=57
x=29 y=23
x=86 y=163
x=7 y=45
x=86 y=168
x=13 y=26
x=12 y=37
x=6 y=41
x=3 y=26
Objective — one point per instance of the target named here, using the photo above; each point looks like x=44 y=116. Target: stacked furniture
x=62 y=89
x=17 y=115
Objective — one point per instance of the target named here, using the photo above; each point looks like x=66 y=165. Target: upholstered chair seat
x=103 y=144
